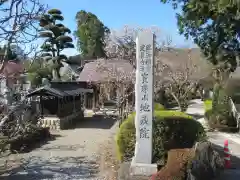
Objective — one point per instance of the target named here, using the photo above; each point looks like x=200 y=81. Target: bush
x=223 y=106
x=208 y=109
x=171 y=129
x=216 y=90
x=208 y=114
x=207 y=105
x=158 y=107
x=222 y=113
x=218 y=111
x=28 y=141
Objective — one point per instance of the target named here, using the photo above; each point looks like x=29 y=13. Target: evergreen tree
x=56 y=39
x=214 y=27
x=37 y=70
x=91 y=33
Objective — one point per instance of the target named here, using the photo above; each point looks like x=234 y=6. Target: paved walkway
x=72 y=156
x=218 y=138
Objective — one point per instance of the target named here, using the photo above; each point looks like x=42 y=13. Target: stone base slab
x=140 y=169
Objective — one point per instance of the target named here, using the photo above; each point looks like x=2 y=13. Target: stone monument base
x=140 y=169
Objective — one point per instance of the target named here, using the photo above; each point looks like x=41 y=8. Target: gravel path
x=73 y=155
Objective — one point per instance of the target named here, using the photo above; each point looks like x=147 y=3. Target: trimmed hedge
x=171 y=130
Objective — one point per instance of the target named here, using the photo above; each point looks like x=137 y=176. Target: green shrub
x=171 y=129
x=208 y=114
x=224 y=109
x=221 y=113
x=158 y=107
x=208 y=109
x=216 y=90
x=207 y=105
x=223 y=105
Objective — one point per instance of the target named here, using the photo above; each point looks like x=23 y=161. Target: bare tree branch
x=117 y=80
x=178 y=82
x=181 y=82
x=18 y=22
x=122 y=44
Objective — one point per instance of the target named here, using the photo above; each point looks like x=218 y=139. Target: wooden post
x=41 y=105
x=94 y=101
x=74 y=105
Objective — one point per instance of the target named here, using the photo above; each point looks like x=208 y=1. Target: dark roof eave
x=45 y=91
x=60 y=94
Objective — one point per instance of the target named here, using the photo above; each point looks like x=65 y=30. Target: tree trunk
x=179 y=102
x=56 y=75
x=3 y=120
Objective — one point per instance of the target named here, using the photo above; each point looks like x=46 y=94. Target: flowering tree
x=118 y=80
x=174 y=78
x=18 y=23
x=182 y=82
x=180 y=85
x=18 y=27
x=122 y=45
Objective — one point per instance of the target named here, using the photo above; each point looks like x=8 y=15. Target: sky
x=118 y=14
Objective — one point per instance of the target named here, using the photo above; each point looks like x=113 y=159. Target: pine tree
x=56 y=40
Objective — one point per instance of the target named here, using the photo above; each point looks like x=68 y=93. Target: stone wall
x=56 y=123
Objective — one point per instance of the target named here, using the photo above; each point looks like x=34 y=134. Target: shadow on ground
x=98 y=122
x=63 y=147
x=54 y=168
x=28 y=143
x=31 y=145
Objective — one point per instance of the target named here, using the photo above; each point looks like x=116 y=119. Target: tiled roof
x=113 y=68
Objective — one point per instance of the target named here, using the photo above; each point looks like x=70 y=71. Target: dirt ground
x=83 y=153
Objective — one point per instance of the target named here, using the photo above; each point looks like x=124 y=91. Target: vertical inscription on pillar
x=144 y=97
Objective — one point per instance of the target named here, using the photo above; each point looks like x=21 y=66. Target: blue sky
x=117 y=14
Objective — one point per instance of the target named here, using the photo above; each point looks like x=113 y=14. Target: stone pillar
x=142 y=160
